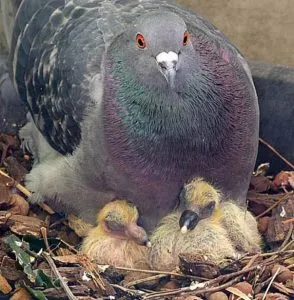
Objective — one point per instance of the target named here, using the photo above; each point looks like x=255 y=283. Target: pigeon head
x=159 y=49
x=202 y=201
x=119 y=219
x=164 y=38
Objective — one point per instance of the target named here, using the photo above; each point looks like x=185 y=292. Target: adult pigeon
x=130 y=99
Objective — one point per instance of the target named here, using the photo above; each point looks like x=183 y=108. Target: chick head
x=202 y=201
x=119 y=219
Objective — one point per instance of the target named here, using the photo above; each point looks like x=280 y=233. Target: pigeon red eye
x=140 y=40
x=186 y=38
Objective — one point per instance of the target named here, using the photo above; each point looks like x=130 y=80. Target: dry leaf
x=21 y=294
x=10 y=269
x=262 y=224
x=22 y=225
x=15 y=169
x=260 y=183
x=238 y=293
x=67 y=259
x=4 y=193
x=5 y=287
x=197 y=265
x=271 y=296
x=284 y=179
x=218 y=296
x=19 y=205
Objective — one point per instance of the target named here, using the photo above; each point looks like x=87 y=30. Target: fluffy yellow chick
x=117 y=239
x=208 y=238
x=203 y=201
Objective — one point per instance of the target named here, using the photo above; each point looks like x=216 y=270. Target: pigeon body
x=132 y=99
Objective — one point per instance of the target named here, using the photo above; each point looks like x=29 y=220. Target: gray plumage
x=119 y=120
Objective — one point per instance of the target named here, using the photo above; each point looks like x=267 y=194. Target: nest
x=40 y=259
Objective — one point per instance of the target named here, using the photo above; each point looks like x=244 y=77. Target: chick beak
x=137 y=234
x=188 y=221
x=167 y=64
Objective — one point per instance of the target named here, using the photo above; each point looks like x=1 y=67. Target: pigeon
x=209 y=240
x=117 y=230
x=129 y=100
x=204 y=202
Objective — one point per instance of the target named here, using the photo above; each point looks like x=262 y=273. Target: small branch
x=46 y=208
x=52 y=265
x=191 y=292
x=277 y=153
x=20 y=187
x=161 y=272
x=129 y=291
x=70 y=247
x=146 y=279
x=282 y=251
x=287 y=246
x=288 y=221
x=275 y=204
x=44 y=235
x=288 y=237
x=271 y=282
x=28 y=194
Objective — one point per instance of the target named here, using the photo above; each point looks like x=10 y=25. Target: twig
x=72 y=248
x=146 y=279
x=20 y=187
x=160 y=272
x=283 y=289
x=287 y=246
x=276 y=152
x=91 y=269
x=44 y=235
x=251 y=261
x=271 y=282
x=288 y=237
x=52 y=265
x=282 y=251
x=288 y=221
x=130 y=291
x=275 y=204
x=237 y=275
x=28 y=194
x=190 y=291
x=46 y=208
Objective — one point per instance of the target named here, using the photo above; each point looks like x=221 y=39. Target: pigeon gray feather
x=130 y=99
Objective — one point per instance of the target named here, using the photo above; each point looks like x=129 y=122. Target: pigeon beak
x=137 y=234
x=188 y=221
x=167 y=64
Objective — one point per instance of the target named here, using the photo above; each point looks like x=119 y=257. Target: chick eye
x=140 y=40
x=210 y=206
x=186 y=38
x=114 y=226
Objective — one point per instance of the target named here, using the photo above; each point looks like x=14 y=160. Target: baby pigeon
x=117 y=239
x=131 y=99
x=203 y=201
x=209 y=238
